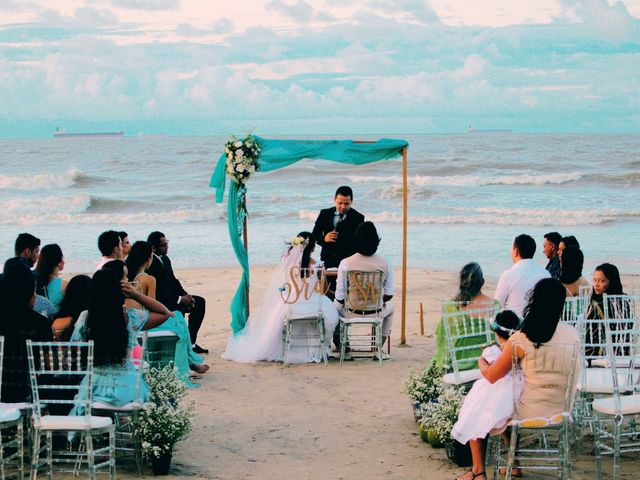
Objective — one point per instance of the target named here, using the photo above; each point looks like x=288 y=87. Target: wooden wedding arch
x=275 y=154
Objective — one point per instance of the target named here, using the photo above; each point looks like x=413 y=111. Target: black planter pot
x=160 y=465
x=458 y=453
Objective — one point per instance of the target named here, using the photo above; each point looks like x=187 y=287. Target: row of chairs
x=608 y=385
x=304 y=321
x=62 y=379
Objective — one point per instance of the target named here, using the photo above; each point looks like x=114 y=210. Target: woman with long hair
x=114 y=331
x=48 y=282
x=139 y=259
x=469 y=297
x=261 y=338
x=571 y=274
x=76 y=300
x=542 y=335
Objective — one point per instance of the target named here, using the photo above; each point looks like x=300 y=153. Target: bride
x=261 y=338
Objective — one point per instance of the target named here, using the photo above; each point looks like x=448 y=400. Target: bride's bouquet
x=242 y=158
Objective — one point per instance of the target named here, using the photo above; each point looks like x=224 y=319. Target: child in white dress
x=489 y=406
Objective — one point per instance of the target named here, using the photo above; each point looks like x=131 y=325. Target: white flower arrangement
x=425 y=385
x=442 y=415
x=299 y=242
x=163 y=421
x=242 y=158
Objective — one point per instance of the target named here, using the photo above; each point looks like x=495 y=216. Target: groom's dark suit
x=334 y=252
x=169 y=290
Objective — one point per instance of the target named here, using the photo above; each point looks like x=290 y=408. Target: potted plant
x=164 y=420
x=438 y=421
x=423 y=387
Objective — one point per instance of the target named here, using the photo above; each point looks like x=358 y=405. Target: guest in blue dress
x=48 y=283
x=114 y=331
x=185 y=359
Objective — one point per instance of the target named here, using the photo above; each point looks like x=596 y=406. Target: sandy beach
x=310 y=421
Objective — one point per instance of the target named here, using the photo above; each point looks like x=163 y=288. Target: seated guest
x=126 y=244
x=185 y=358
x=568 y=241
x=28 y=247
x=42 y=304
x=138 y=261
x=110 y=246
x=76 y=300
x=169 y=290
x=48 y=281
x=366 y=241
x=542 y=333
x=478 y=416
x=550 y=246
x=571 y=276
x=114 y=332
x=606 y=279
x=470 y=297
x=18 y=323
x=515 y=283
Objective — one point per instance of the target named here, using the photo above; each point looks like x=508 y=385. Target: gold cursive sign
x=363 y=294
x=299 y=284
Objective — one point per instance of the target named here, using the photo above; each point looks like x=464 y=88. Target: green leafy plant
x=164 y=420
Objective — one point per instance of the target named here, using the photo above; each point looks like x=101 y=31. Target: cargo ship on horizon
x=60 y=133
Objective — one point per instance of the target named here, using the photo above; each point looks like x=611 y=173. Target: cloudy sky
x=319 y=66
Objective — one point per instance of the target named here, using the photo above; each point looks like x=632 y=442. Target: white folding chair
x=304 y=322
x=57 y=370
x=11 y=434
x=361 y=321
x=617 y=430
x=574 y=309
x=467 y=333
x=556 y=364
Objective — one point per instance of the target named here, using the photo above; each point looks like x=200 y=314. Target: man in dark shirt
x=18 y=324
x=550 y=246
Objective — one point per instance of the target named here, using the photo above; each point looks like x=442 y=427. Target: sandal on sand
x=473 y=475
x=516 y=472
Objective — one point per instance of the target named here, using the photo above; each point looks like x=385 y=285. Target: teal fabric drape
x=277 y=154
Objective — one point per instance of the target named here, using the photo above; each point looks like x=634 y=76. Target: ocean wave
x=71 y=178
x=394 y=192
x=472 y=180
x=498 y=216
x=140 y=218
x=13 y=208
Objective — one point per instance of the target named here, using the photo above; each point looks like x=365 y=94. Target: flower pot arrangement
x=164 y=420
x=439 y=418
x=423 y=388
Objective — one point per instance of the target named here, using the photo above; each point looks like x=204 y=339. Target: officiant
x=335 y=228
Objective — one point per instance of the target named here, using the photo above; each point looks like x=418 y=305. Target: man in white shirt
x=515 y=283
x=366 y=243
x=110 y=246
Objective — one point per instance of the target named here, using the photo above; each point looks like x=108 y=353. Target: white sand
x=266 y=421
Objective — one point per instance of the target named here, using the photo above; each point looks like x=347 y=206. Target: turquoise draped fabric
x=277 y=154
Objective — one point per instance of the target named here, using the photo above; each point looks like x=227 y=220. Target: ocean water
x=469 y=196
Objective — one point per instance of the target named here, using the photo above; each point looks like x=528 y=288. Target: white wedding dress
x=261 y=338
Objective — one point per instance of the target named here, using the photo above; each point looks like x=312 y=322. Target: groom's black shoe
x=198 y=349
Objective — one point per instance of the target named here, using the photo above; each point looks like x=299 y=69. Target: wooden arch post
x=405 y=209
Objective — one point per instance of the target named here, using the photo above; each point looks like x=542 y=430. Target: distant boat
x=489 y=130
x=60 y=133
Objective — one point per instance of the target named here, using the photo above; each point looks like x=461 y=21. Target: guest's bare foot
x=199 y=368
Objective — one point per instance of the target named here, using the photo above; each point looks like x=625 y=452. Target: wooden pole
x=403 y=338
x=421 y=320
x=245 y=239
